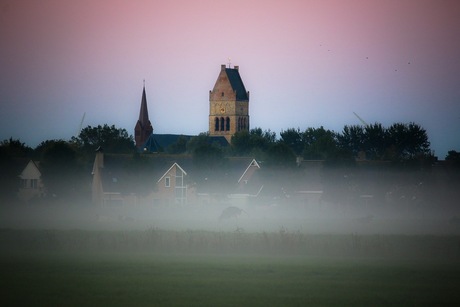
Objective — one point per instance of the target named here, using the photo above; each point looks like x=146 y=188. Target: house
x=173 y=188
x=124 y=180
x=171 y=180
x=30 y=182
x=236 y=182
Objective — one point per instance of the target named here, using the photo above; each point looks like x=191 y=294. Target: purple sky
x=388 y=61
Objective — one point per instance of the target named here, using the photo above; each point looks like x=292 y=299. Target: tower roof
x=236 y=83
x=143 y=128
x=229 y=83
x=144 y=113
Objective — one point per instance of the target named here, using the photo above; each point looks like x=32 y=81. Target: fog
x=367 y=218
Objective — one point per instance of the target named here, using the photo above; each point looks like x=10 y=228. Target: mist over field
x=275 y=252
x=366 y=217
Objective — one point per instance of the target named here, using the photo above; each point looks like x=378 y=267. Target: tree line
x=66 y=164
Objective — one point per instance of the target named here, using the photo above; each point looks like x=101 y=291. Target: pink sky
x=321 y=60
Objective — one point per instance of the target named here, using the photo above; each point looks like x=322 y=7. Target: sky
x=305 y=64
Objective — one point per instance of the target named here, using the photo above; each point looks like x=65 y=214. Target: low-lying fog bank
x=308 y=220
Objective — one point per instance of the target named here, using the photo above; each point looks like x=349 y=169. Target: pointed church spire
x=143 y=128
x=144 y=112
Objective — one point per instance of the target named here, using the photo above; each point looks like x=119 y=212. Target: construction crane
x=361 y=120
x=81 y=124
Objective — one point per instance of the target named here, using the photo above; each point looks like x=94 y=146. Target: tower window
x=216 y=124
x=222 y=94
x=222 y=124
x=227 y=124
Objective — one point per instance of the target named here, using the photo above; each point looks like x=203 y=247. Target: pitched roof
x=159 y=142
x=236 y=83
x=172 y=166
x=218 y=140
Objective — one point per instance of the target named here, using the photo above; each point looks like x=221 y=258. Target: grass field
x=186 y=268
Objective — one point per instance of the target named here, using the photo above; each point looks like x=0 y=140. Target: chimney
x=236 y=67
x=222 y=67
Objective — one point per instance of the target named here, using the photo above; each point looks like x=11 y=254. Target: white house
x=30 y=184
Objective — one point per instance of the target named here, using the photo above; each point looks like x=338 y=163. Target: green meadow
x=196 y=268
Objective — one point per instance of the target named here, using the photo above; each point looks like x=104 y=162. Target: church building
x=228 y=104
x=228 y=114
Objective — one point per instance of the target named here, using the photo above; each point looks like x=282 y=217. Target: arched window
x=216 y=124
x=227 y=124
x=222 y=124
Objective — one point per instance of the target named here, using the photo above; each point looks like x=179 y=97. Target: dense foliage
x=13 y=155
x=110 y=138
x=402 y=144
x=62 y=172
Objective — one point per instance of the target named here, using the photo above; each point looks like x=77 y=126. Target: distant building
x=228 y=104
x=143 y=128
x=30 y=183
x=228 y=114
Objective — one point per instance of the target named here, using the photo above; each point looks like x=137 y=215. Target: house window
x=227 y=124
x=34 y=183
x=167 y=182
x=23 y=184
x=180 y=190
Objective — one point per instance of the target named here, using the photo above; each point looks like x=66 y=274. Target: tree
x=281 y=155
x=407 y=142
x=11 y=153
x=453 y=155
x=255 y=141
x=110 y=138
x=400 y=142
x=319 y=143
x=352 y=139
x=241 y=144
x=62 y=175
x=375 y=141
x=15 y=148
x=205 y=154
x=180 y=146
x=293 y=138
x=197 y=141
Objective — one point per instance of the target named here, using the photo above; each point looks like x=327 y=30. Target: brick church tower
x=143 y=128
x=228 y=104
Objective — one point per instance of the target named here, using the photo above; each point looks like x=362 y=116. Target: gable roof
x=252 y=164
x=172 y=166
x=31 y=170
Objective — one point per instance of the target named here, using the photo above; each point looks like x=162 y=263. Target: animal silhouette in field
x=230 y=212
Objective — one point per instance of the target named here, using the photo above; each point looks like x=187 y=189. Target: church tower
x=143 y=128
x=228 y=104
